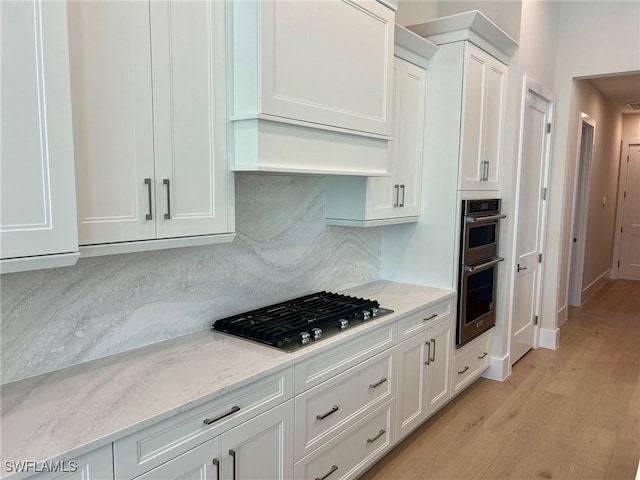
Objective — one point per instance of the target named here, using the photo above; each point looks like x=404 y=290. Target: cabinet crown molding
x=412 y=47
x=472 y=26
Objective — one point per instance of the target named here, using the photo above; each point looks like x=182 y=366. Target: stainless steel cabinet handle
x=147 y=182
x=428 y=344
x=232 y=452
x=397 y=188
x=333 y=469
x=233 y=410
x=216 y=462
x=485 y=170
x=402 y=188
x=378 y=383
x=430 y=317
x=463 y=370
x=333 y=410
x=433 y=350
x=483 y=355
x=380 y=433
x=166 y=182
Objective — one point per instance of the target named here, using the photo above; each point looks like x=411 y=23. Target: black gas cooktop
x=301 y=321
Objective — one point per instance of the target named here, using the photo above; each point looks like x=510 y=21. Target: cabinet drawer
x=326 y=410
x=471 y=361
x=425 y=318
x=159 y=443
x=349 y=454
x=330 y=363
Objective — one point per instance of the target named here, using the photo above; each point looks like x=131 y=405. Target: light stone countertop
x=70 y=412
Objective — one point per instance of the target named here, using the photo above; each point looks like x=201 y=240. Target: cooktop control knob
x=344 y=323
x=366 y=315
x=317 y=333
x=305 y=338
x=374 y=312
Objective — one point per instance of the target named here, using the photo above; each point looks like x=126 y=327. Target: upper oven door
x=480 y=238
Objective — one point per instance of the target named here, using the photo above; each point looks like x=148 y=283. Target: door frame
x=579 y=215
x=624 y=166
x=530 y=85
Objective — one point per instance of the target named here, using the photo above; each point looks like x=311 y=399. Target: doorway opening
x=581 y=207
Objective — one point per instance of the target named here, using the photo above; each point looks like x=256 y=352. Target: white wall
x=595 y=38
x=631 y=126
x=605 y=166
x=504 y=13
x=411 y=12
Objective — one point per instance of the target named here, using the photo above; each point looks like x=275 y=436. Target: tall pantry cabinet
x=149 y=120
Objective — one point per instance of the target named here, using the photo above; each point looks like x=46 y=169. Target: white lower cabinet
x=355 y=449
x=96 y=465
x=470 y=361
x=423 y=375
x=200 y=463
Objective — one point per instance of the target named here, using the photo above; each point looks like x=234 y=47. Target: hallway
x=572 y=413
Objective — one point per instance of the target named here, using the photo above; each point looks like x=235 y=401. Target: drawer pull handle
x=233 y=410
x=216 y=462
x=430 y=317
x=378 y=383
x=483 y=355
x=463 y=370
x=333 y=469
x=232 y=452
x=333 y=410
x=149 y=216
x=380 y=433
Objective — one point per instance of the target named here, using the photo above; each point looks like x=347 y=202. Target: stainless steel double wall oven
x=479 y=259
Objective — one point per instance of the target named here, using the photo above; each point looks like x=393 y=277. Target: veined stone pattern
x=59 y=317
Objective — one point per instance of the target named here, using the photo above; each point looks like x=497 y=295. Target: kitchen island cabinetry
x=37 y=195
x=423 y=373
x=96 y=465
x=149 y=124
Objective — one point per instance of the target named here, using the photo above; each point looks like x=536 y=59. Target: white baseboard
x=594 y=286
x=499 y=369
x=549 y=338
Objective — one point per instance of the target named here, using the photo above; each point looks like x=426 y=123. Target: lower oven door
x=477 y=296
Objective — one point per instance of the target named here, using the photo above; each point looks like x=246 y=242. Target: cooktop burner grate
x=298 y=322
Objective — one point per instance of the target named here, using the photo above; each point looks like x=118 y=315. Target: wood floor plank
x=571 y=413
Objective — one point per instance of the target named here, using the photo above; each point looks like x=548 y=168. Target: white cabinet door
x=37 y=201
x=199 y=463
x=261 y=448
x=484 y=90
x=326 y=63
x=423 y=375
x=189 y=117
x=398 y=196
x=412 y=384
x=110 y=60
x=148 y=83
x=441 y=342
x=96 y=465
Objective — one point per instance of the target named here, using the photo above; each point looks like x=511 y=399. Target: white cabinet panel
x=200 y=463
x=96 y=465
x=37 y=202
x=149 y=98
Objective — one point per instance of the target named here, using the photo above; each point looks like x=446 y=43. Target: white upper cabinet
x=484 y=90
x=37 y=199
x=395 y=198
x=311 y=79
x=149 y=118
x=483 y=52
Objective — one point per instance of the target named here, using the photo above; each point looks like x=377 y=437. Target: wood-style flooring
x=572 y=413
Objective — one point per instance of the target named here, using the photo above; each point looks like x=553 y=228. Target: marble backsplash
x=104 y=305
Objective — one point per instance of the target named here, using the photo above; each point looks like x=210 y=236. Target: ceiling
x=620 y=90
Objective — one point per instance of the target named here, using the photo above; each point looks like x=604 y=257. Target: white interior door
x=629 y=259
x=530 y=221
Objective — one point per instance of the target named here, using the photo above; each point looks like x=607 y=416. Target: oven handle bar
x=477 y=268
x=487 y=218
